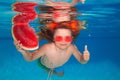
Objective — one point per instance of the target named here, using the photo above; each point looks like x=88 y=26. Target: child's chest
x=60 y=57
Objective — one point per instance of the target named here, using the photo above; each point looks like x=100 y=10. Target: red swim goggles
x=60 y=38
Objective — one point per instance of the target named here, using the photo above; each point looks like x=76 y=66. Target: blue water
x=102 y=37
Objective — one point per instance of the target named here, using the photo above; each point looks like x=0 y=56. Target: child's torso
x=54 y=59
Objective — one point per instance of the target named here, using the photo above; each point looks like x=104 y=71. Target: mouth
x=63 y=44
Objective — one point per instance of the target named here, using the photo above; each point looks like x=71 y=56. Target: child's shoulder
x=73 y=47
x=48 y=45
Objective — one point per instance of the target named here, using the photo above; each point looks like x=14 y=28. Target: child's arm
x=29 y=56
x=82 y=58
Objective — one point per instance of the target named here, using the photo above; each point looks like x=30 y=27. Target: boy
x=58 y=51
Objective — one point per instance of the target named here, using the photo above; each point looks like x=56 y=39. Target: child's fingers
x=17 y=43
x=20 y=45
x=86 y=48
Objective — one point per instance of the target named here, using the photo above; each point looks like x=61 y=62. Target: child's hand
x=86 y=54
x=19 y=46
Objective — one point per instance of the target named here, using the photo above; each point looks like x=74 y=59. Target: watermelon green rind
x=26 y=36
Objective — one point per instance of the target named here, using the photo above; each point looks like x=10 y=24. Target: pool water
x=102 y=37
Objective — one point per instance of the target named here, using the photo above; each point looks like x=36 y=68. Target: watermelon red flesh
x=23 y=18
x=27 y=12
x=24 y=7
x=21 y=31
x=24 y=4
x=26 y=36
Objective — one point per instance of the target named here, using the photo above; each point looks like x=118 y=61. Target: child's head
x=62 y=37
x=50 y=31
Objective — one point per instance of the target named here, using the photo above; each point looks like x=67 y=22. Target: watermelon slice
x=26 y=35
x=21 y=30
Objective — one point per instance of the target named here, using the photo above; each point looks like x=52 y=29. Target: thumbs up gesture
x=86 y=54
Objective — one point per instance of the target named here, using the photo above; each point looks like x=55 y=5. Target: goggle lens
x=60 y=38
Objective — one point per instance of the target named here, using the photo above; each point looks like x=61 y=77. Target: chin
x=63 y=47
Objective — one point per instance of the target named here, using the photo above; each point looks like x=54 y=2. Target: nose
x=63 y=41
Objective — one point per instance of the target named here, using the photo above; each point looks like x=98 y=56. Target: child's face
x=62 y=38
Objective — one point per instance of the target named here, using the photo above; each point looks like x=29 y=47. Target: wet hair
x=46 y=33
x=65 y=25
